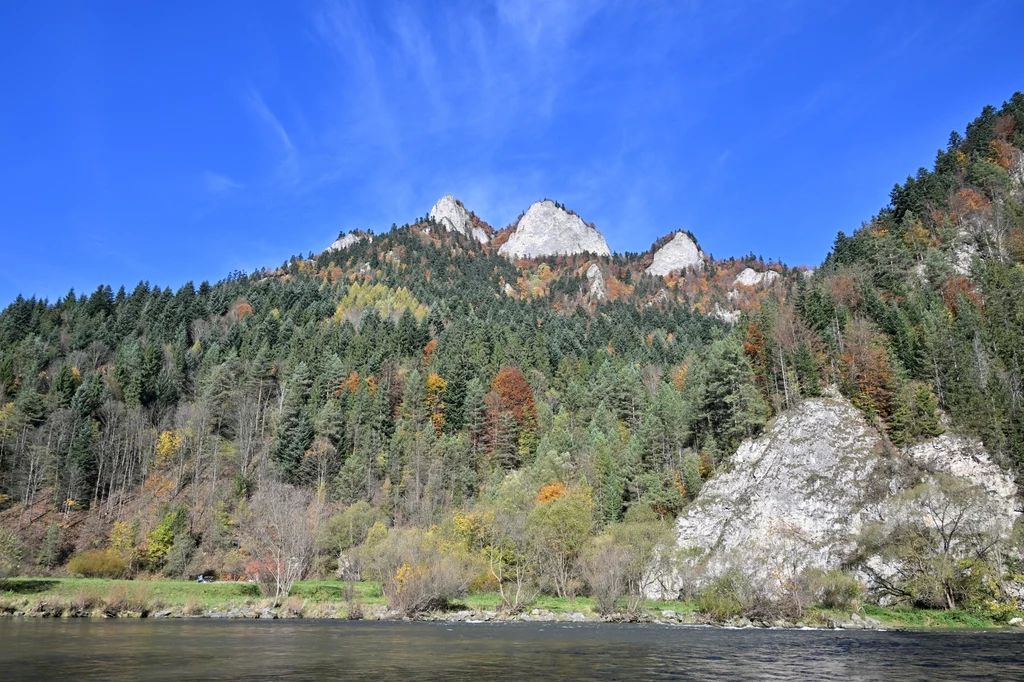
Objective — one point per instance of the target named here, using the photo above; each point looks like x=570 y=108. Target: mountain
x=679 y=253
x=450 y=214
x=432 y=386
x=548 y=229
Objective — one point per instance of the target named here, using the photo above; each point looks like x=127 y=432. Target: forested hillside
x=420 y=380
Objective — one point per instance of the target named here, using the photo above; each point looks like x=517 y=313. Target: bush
x=726 y=596
x=98 y=563
x=605 y=569
x=416 y=573
x=836 y=589
x=134 y=599
x=349 y=528
x=86 y=599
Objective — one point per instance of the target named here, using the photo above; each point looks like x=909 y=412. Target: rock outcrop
x=548 y=230
x=450 y=214
x=799 y=496
x=596 y=279
x=749 y=277
x=678 y=254
x=728 y=316
x=346 y=240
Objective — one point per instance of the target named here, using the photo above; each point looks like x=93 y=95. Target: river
x=86 y=649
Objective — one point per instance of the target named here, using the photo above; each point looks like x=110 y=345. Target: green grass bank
x=104 y=598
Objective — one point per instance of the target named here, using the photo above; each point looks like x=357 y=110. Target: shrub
x=355 y=609
x=416 y=572
x=939 y=555
x=295 y=607
x=605 y=569
x=98 y=563
x=137 y=599
x=836 y=589
x=348 y=529
x=650 y=544
x=86 y=599
x=726 y=596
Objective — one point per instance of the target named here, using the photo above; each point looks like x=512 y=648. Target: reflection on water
x=315 y=650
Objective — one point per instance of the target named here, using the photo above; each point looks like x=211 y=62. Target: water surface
x=86 y=649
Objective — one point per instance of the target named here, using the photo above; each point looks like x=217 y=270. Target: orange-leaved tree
x=867 y=375
x=511 y=418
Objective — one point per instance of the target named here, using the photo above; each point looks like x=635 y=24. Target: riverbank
x=101 y=598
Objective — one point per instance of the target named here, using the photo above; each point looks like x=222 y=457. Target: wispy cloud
x=220 y=184
x=546 y=24
x=364 y=115
x=502 y=102
x=288 y=168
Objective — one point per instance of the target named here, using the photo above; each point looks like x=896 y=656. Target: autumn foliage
x=866 y=371
x=239 y=311
x=436 y=386
x=515 y=395
x=954 y=288
x=511 y=417
x=551 y=492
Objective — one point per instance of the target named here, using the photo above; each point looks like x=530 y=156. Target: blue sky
x=179 y=141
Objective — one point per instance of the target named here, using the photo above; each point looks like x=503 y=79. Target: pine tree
x=294 y=430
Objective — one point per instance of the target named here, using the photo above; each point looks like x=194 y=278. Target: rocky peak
x=549 y=230
x=452 y=215
x=346 y=240
x=678 y=254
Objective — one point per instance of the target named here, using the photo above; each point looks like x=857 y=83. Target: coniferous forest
x=421 y=411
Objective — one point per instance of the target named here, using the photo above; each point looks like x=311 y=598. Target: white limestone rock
x=450 y=214
x=728 y=316
x=749 y=277
x=347 y=240
x=679 y=254
x=547 y=230
x=965 y=247
x=597 y=288
x=798 y=496
x=1017 y=171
